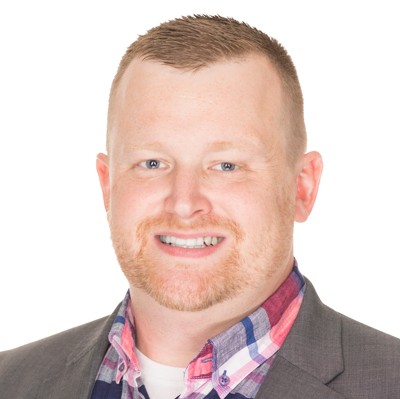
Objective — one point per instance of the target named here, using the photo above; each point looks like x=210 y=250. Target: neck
x=175 y=338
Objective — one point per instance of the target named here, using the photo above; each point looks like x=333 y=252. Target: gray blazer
x=325 y=356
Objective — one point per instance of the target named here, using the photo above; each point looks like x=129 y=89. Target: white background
x=57 y=266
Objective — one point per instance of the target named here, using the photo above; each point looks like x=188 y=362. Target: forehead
x=237 y=95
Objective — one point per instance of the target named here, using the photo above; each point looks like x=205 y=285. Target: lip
x=189 y=252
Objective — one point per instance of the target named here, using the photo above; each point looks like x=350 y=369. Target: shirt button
x=224 y=379
x=121 y=367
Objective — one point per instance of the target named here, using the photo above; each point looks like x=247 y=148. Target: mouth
x=194 y=242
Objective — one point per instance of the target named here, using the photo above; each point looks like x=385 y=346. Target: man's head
x=191 y=43
x=205 y=173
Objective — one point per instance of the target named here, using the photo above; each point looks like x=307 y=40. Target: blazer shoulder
x=371 y=361
x=22 y=368
x=359 y=334
x=352 y=359
x=368 y=345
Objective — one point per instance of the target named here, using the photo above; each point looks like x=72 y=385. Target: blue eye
x=152 y=164
x=226 y=167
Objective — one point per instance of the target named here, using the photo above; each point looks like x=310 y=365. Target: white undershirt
x=161 y=381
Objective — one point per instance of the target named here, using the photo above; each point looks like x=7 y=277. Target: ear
x=104 y=176
x=307 y=184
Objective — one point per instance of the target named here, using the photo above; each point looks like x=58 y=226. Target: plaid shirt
x=231 y=365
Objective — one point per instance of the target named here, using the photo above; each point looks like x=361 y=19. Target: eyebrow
x=227 y=145
x=155 y=145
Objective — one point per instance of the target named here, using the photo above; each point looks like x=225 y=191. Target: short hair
x=194 y=42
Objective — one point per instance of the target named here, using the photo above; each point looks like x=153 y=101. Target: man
x=204 y=176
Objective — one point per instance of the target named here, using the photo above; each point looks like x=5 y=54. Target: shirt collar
x=233 y=354
x=121 y=338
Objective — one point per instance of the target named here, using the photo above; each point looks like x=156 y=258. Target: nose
x=187 y=196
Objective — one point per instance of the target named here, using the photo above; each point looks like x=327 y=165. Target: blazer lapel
x=310 y=357
x=288 y=381
x=75 y=377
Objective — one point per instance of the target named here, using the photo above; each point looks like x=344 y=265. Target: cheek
x=258 y=208
x=248 y=205
x=130 y=202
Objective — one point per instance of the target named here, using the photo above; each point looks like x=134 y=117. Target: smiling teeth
x=200 y=242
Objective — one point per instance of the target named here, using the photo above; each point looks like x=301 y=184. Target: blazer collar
x=310 y=357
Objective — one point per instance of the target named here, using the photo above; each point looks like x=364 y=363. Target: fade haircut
x=194 y=42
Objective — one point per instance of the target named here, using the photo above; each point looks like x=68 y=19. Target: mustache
x=172 y=222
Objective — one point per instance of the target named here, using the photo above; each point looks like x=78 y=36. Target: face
x=200 y=198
